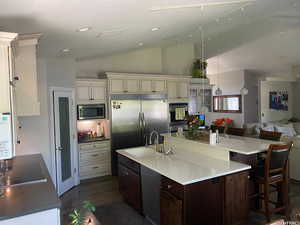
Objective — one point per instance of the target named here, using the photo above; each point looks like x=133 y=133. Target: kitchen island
x=28 y=194
x=185 y=188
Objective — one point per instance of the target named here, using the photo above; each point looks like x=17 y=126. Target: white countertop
x=184 y=168
x=232 y=143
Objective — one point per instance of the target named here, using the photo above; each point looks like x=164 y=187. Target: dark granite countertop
x=29 y=198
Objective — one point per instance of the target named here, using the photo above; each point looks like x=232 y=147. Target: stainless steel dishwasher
x=151 y=194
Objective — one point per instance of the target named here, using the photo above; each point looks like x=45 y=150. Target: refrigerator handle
x=143 y=122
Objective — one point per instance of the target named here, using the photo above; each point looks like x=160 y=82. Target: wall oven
x=178 y=112
x=91 y=112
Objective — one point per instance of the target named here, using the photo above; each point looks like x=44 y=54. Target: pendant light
x=203 y=108
x=218 y=92
x=244 y=91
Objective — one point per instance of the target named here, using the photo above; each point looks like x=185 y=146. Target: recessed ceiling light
x=141 y=44
x=242 y=9
x=155 y=29
x=83 y=29
x=66 y=50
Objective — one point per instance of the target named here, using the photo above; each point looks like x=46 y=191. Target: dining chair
x=221 y=129
x=270 y=135
x=274 y=172
x=235 y=131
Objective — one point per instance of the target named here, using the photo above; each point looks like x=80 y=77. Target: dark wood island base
x=218 y=201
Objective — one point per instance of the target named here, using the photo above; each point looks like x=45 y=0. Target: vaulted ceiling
x=121 y=25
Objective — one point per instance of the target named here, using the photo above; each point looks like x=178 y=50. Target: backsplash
x=84 y=126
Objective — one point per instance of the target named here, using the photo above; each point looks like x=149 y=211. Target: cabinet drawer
x=130 y=164
x=90 y=170
x=94 y=146
x=94 y=156
x=172 y=187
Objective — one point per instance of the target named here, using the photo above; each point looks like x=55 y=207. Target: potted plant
x=199 y=69
x=84 y=216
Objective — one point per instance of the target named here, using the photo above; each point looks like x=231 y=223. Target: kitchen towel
x=179 y=113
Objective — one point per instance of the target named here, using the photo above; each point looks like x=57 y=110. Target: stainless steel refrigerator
x=133 y=118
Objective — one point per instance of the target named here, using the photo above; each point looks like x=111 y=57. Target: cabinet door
x=172 y=89
x=236 y=198
x=83 y=93
x=132 y=86
x=130 y=187
x=171 y=209
x=4 y=80
x=146 y=85
x=98 y=93
x=116 y=85
x=159 y=85
x=182 y=90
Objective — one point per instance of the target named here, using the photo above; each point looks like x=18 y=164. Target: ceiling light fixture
x=200 y=5
x=83 y=29
x=66 y=50
x=141 y=44
x=155 y=29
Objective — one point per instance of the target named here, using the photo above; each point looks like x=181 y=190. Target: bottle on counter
x=217 y=136
x=212 y=138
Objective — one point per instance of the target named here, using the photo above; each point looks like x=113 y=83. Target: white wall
x=230 y=84
x=296 y=102
x=267 y=115
x=178 y=59
x=35 y=132
x=169 y=60
x=251 y=111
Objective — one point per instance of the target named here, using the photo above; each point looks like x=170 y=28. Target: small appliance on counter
x=91 y=112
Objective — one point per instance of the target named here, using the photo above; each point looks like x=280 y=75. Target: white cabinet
x=146 y=86
x=27 y=100
x=116 y=86
x=153 y=86
x=94 y=159
x=124 y=85
x=47 y=217
x=91 y=91
x=131 y=86
x=172 y=89
x=178 y=90
x=183 y=90
x=159 y=85
x=5 y=77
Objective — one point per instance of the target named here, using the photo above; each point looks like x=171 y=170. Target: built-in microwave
x=91 y=112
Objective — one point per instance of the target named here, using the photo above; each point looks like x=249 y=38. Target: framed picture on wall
x=279 y=100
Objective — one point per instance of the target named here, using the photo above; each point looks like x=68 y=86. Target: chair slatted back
x=270 y=135
x=235 y=131
x=277 y=158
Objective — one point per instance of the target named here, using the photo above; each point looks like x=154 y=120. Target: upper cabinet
x=200 y=99
x=178 y=90
x=26 y=86
x=176 y=87
x=91 y=91
x=6 y=61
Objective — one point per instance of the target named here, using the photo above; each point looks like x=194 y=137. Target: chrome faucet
x=156 y=141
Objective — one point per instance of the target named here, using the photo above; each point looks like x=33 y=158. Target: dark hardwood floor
x=103 y=191
x=99 y=191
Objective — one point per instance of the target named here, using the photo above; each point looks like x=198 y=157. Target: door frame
x=52 y=136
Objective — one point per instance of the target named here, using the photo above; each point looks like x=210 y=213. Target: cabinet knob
x=169 y=186
x=95 y=155
x=95 y=167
